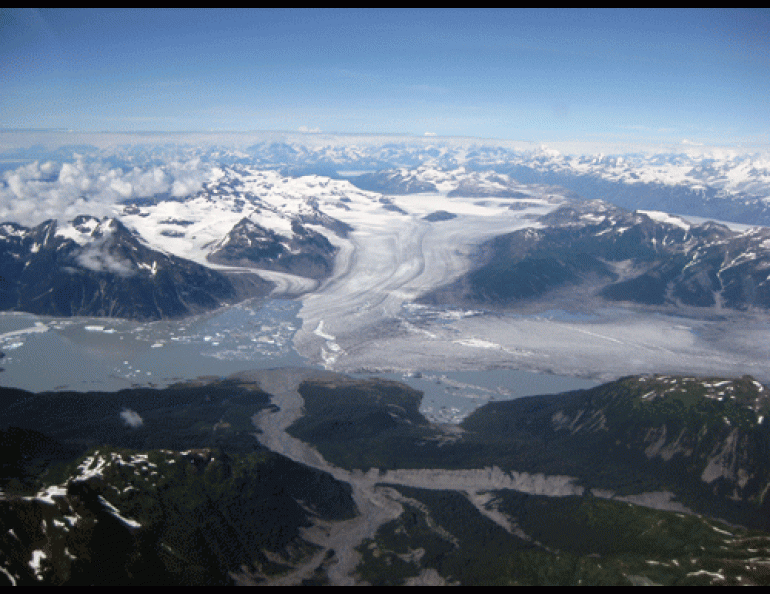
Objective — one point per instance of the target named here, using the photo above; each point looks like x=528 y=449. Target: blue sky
x=540 y=75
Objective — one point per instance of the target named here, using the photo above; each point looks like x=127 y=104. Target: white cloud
x=131 y=418
x=36 y=192
x=100 y=260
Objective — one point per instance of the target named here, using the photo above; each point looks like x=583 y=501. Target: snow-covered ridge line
x=191 y=227
x=728 y=172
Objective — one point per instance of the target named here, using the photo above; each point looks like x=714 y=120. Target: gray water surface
x=44 y=354
x=449 y=397
x=109 y=354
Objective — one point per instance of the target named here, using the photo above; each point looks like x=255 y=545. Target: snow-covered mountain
x=93 y=267
x=306 y=252
x=278 y=228
x=649 y=258
x=722 y=184
x=726 y=171
x=724 y=187
x=451 y=182
x=167 y=256
x=718 y=183
x=250 y=218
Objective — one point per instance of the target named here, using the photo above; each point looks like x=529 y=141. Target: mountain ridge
x=640 y=257
x=100 y=268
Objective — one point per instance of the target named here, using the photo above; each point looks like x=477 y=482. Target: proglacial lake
x=89 y=354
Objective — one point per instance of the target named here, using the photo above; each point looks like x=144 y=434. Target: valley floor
x=379 y=503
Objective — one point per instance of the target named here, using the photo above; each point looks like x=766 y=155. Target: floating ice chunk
x=38 y=327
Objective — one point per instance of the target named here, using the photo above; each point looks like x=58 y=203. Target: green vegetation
x=363 y=424
x=199 y=498
x=186 y=518
x=702 y=439
x=180 y=417
x=171 y=486
x=558 y=541
x=695 y=401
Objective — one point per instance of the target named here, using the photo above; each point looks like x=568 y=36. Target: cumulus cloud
x=131 y=418
x=100 y=260
x=37 y=191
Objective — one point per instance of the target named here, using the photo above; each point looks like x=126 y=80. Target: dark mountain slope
x=620 y=256
x=306 y=253
x=94 y=267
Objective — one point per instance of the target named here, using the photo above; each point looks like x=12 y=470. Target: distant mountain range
x=722 y=185
x=452 y=182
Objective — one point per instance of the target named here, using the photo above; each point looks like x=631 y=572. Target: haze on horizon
x=674 y=76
